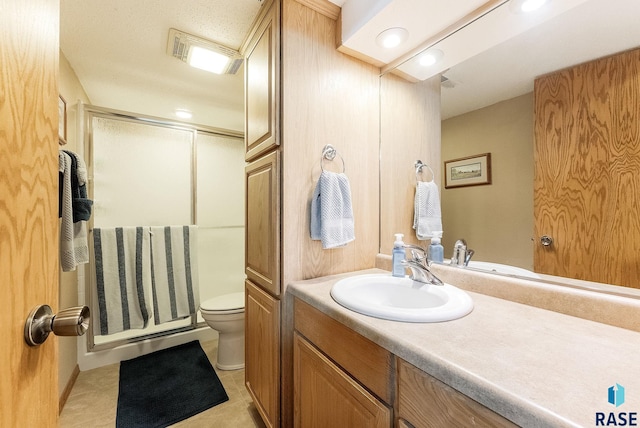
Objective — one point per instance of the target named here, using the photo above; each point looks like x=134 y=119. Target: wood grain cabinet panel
x=262 y=99
x=366 y=361
x=262 y=236
x=424 y=401
x=325 y=396
x=262 y=352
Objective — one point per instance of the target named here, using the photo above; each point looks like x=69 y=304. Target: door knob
x=42 y=321
x=546 y=241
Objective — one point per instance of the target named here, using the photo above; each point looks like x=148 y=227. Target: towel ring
x=419 y=165
x=329 y=153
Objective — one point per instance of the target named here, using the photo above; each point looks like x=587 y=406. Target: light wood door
x=262 y=82
x=262 y=352
x=28 y=207
x=587 y=158
x=325 y=396
x=425 y=402
x=262 y=208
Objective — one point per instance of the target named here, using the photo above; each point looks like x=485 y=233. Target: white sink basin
x=500 y=268
x=401 y=299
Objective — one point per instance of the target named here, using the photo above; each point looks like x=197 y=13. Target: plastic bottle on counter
x=436 y=251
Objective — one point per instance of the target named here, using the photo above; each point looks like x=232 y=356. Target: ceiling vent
x=181 y=45
x=446 y=82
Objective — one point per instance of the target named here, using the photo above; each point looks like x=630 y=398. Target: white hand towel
x=331 y=211
x=427 y=216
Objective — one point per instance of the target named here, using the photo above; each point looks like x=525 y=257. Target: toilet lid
x=225 y=302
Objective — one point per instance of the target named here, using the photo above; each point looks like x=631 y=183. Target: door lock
x=546 y=241
x=42 y=321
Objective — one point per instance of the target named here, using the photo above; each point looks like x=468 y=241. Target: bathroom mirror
x=495 y=87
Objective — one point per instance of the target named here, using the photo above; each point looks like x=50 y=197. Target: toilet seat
x=232 y=303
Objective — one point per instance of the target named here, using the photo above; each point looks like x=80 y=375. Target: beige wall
x=496 y=220
x=72 y=91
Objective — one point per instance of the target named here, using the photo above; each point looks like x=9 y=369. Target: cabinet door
x=262 y=352
x=262 y=98
x=424 y=401
x=325 y=396
x=262 y=236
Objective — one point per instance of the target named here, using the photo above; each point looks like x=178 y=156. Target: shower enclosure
x=146 y=171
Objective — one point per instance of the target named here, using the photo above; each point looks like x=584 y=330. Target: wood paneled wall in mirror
x=587 y=181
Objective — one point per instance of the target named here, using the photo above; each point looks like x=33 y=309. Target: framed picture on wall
x=469 y=171
x=62 y=120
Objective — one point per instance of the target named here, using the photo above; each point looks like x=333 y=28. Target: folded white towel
x=331 y=211
x=427 y=216
x=123 y=278
x=176 y=291
x=74 y=248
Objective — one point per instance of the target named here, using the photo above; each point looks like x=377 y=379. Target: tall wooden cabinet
x=262 y=216
x=301 y=94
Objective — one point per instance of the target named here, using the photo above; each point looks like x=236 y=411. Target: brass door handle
x=42 y=321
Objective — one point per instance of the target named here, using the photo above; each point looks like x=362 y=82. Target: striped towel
x=74 y=247
x=174 y=267
x=123 y=278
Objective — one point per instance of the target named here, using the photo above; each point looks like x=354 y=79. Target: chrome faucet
x=420 y=266
x=461 y=254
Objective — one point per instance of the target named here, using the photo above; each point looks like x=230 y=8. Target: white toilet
x=225 y=314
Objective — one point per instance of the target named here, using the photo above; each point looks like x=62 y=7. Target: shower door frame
x=87 y=112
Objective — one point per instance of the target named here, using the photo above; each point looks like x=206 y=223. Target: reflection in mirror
x=488 y=106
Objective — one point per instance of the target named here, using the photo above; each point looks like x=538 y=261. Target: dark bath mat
x=166 y=387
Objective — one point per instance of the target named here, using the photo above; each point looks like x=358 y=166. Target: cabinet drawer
x=369 y=363
x=424 y=401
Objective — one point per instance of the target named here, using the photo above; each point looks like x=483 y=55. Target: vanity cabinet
x=326 y=396
x=262 y=352
x=344 y=379
x=424 y=401
x=340 y=379
x=262 y=98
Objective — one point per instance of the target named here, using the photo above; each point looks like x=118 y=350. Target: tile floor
x=94 y=398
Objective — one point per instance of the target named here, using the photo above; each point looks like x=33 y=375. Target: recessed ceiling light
x=525 y=6
x=202 y=53
x=392 y=37
x=183 y=113
x=208 y=60
x=430 y=57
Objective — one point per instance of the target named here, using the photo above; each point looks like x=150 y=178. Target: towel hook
x=419 y=165
x=329 y=153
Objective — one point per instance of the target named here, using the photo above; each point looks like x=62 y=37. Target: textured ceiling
x=118 y=50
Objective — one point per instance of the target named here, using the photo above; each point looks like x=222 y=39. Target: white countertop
x=533 y=366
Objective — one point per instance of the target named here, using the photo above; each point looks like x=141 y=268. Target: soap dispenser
x=397 y=256
x=436 y=251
